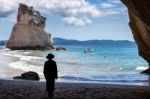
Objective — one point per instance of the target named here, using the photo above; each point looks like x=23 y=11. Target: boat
x=89 y=50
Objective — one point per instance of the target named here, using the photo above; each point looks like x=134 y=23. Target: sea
x=105 y=64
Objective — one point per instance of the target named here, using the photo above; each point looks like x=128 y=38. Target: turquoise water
x=106 y=64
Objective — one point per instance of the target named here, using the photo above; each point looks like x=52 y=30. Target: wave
x=141 y=68
x=72 y=63
x=23 y=55
x=115 y=68
x=73 y=78
x=24 y=61
x=22 y=65
x=5 y=49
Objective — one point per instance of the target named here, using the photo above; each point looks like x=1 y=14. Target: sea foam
x=22 y=65
x=141 y=68
x=24 y=62
x=22 y=56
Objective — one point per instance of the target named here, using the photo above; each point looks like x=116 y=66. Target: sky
x=73 y=19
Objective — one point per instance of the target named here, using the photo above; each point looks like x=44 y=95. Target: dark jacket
x=50 y=69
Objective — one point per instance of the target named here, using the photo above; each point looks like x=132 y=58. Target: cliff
x=139 y=15
x=28 y=32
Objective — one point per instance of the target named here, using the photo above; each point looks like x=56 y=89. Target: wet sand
x=22 y=89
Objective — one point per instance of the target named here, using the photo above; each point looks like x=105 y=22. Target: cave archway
x=139 y=15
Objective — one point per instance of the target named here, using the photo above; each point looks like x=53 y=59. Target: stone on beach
x=60 y=48
x=28 y=76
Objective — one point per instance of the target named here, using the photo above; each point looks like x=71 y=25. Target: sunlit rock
x=28 y=32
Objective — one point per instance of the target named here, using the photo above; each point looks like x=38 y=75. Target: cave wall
x=139 y=15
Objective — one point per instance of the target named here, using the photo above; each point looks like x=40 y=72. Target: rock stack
x=28 y=32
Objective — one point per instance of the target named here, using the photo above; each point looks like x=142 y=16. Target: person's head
x=50 y=56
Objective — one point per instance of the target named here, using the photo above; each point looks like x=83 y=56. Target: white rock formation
x=28 y=32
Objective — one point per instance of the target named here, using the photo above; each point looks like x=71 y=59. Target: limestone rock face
x=28 y=32
x=139 y=15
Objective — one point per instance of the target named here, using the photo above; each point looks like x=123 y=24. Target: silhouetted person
x=50 y=73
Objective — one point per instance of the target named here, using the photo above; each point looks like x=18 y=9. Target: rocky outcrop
x=28 y=32
x=139 y=15
x=60 y=48
x=147 y=71
x=28 y=76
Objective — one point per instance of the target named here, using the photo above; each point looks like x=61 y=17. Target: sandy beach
x=21 y=89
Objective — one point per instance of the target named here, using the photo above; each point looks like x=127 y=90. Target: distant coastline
x=3 y=42
x=62 y=41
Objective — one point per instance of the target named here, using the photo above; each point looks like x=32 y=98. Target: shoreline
x=24 y=89
x=8 y=72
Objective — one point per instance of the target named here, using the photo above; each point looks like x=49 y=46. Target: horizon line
x=94 y=39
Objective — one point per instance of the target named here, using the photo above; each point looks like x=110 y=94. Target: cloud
x=73 y=12
x=5 y=14
x=74 y=7
x=107 y=5
x=115 y=1
x=6 y=8
x=112 y=8
x=77 y=21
